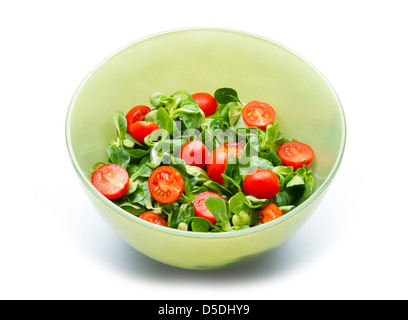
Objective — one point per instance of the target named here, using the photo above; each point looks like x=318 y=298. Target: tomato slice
x=258 y=114
x=269 y=213
x=206 y=102
x=194 y=153
x=261 y=183
x=154 y=218
x=295 y=154
x=201 y=209
x=217 y=160
x=111 y=180
x=136 y=114
x=166 y=184
x=141 y=129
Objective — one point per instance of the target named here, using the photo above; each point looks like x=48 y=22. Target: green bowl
x=306 y=106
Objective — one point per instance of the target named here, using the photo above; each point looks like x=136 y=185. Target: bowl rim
x=208 y=235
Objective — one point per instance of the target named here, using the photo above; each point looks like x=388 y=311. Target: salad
x=204 y=163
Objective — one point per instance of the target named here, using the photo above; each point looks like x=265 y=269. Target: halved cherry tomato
x=206 y=102
x=218 y=159
x=201 y=209
x=136 y=114
x=141 y=129
x=154 y=218
x=269 y=213
x=258 y=114
x=194 y=153
x=261 y=183
x=111 y=180
x=166 y=184
x=295 y=154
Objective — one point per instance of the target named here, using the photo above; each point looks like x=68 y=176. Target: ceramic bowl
x=193 y=60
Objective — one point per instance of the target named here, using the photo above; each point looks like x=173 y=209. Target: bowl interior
x=203 y=60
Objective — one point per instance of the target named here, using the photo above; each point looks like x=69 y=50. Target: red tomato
x=201 y=209
x=141 y=129
x=261 y=183
x=258 y=114
x=269 y=213
x=166 y=184
x=218 y=159
x=194 y=153
x=111 y=180
x=206 y=102
x=136 y=114
x=295 y=154
x=154 y=218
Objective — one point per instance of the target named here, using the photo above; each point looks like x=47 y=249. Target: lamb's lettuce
x=180 y=119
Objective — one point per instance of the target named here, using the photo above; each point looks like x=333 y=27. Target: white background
x=54 y=245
